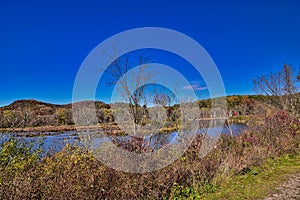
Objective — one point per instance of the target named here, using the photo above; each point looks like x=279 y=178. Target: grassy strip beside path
x=259 y=181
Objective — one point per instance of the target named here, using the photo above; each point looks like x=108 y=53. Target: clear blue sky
x=43 y=43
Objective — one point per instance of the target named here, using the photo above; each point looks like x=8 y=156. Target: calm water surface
x=53 y=142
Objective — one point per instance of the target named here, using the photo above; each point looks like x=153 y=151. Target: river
x=54 y=142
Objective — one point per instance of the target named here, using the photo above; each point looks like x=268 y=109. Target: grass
x=259 y=181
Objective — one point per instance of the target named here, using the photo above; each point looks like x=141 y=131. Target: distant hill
x=35 y=104
x=31 y=113
x=27 y=104
x=23 y=113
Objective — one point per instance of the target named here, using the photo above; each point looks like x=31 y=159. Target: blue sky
x=43 y=43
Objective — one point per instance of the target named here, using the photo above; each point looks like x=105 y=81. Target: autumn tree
x=63 y=116
x=1 y=119
x=10 y=119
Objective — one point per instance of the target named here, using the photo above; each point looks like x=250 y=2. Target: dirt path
x=288 y=190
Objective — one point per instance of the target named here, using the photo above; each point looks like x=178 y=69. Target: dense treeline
x=32 y=113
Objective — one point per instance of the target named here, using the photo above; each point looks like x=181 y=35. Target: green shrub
x=17 y=155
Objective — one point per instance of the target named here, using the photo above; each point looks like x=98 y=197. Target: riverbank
x=108 y=128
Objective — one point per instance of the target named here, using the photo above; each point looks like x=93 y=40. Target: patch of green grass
x=258 y=181
x=179 y=192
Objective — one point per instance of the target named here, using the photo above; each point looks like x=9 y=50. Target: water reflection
x=53 y=142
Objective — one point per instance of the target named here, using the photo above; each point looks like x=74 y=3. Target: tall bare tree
x=131 y=85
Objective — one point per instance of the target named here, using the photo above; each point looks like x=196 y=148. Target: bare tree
x=131 y=84
x=165 y=98
x=282 y=86
x=83 y=113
